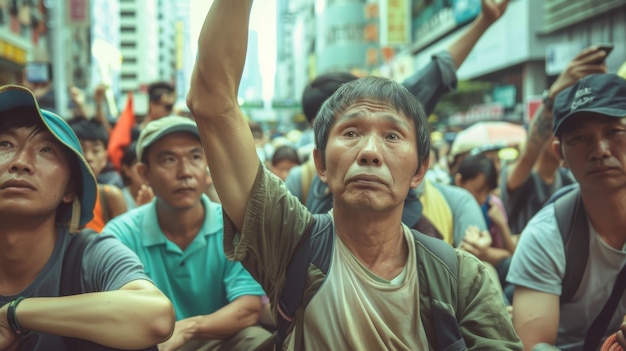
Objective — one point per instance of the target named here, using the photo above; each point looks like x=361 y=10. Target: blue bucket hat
x=13 y=96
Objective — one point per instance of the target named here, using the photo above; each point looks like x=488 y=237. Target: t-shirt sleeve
x=274 y=223
x=108 y=265
x=539 y=259
x=439 y=75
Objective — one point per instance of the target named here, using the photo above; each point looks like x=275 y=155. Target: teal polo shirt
x=198 y=280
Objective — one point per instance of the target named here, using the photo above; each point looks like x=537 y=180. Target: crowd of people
x=190 y=230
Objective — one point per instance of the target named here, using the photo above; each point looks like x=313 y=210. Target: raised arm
x=491 y=11
x=212 y=99
x=540 y=130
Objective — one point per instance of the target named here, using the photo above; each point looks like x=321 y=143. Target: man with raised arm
x=373 y=145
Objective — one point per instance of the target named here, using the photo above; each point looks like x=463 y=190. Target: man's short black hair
x=320 y=89
x=157 y=89
x=90 y=130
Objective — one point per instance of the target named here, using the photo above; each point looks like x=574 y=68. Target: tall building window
x=128 y=29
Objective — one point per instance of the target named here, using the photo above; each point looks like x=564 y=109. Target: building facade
x=147 y=42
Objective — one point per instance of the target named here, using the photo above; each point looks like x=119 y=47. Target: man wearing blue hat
x=47 y=193
x=590 y=127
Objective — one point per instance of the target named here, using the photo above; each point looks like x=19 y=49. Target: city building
x=519 y=56
x=295 y=45
x=147 y=42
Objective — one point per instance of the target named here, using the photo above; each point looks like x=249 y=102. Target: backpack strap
x=447 y=332
x=598 y=328
x=72 y=269
x=572 y=221
x=313 y=248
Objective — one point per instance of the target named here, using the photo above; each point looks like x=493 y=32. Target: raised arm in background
x=540 y=129
x=491 y=11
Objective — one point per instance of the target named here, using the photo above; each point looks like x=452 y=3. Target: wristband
x=12 y=320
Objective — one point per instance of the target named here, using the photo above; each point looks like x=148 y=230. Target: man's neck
x=375 y=239
x=181 y=226
x=25 y=247
x=607 y=213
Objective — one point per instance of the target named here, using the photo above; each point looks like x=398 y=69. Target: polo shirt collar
x=153 y=235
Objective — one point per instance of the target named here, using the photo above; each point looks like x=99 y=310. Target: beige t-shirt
x=356 y=310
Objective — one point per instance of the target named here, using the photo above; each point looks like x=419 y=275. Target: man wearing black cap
x=47 y=192
x=590 y=127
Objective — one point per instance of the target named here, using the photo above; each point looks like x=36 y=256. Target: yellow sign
x=397 y=22
x=12 y=52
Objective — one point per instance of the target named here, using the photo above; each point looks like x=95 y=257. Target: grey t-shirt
x=107 y=265
x=524 y=202
x=539 y=264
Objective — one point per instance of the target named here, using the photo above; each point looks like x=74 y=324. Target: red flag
x=120 y=136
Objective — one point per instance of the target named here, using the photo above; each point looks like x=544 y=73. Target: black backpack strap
x=71 y=272
x=446 y=328
x=312 y=248
x=71 y=277
x=572 y=221
x=598 y=328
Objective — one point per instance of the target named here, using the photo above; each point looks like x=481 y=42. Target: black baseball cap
x=603 y=94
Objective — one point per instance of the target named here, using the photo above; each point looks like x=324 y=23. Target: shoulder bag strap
x=599 y=325
x=572 y=222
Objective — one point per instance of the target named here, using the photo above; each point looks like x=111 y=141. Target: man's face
x=34 y=173
x=130 y=171
x=95 y=155
x=176 y=170
x=371 y=157
x=477 y=186
x=594 y=148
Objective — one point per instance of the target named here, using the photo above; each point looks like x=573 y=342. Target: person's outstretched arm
x=212 y=99
x=540 y=129
x=491 y=11
x=440 y=73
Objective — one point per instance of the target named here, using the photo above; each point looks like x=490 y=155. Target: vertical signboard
x=394 y=21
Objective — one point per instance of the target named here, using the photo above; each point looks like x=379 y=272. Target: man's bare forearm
x=539 y=133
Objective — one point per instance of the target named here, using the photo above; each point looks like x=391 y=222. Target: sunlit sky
x=262 y=20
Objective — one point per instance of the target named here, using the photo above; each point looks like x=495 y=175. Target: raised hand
x=492 y=10
x=584 y=64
